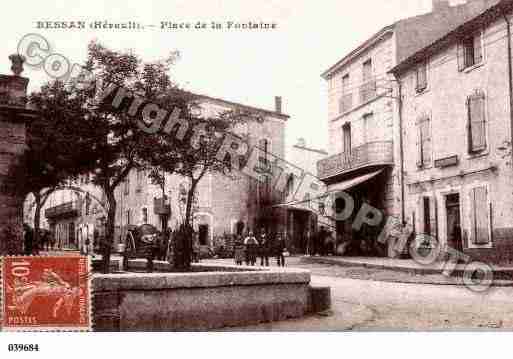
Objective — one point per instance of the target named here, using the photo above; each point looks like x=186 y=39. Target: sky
x=246 y=66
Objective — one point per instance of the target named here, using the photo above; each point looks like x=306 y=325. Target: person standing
x=251 y=245
x=28 y=239
x=279 y=251
x=239 y=254
x=263 y=246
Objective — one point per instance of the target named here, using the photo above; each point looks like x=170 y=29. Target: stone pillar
x=13 y=118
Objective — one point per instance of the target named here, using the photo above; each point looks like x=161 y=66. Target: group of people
x=248 y=249
x=45 y=241
x=322 y=243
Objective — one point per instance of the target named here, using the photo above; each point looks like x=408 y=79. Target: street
x=365 y=304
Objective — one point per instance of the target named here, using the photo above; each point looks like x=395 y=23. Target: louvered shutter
x=433 y=216
x=479 y=216
x=478 y=49
x=461 y=57
x=419 y=144
x=477 y=123
x=426 y=141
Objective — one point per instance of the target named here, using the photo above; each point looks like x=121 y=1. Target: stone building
x=457 y=132
x=363 y=112
x=302 y=218
x=223 y=205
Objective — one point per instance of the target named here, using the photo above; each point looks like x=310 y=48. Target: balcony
x=68 y=209
x=367 y=91
x=161 y=206
x=379 y=153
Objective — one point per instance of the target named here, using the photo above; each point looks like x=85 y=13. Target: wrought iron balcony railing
x=65 y=209
x=369 y=154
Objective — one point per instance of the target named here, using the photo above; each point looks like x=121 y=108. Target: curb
x=501 y=278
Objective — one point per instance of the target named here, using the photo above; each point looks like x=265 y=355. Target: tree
x=193 y=156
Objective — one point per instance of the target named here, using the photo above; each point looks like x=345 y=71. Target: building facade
x=363 y=113
x=302 y=218
x=223 y=205
x=457 y=137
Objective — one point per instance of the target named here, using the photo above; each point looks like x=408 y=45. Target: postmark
x=46 y=293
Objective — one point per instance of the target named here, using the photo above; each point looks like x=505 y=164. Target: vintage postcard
x=271 y=166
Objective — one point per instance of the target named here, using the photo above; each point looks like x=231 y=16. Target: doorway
x=452 y=207
x=203 y=234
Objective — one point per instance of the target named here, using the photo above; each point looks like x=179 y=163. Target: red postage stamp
x=46 y=293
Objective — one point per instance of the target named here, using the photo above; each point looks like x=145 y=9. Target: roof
x=368 y=43
x=250 y=108
x=487 y=15
x=414 y=33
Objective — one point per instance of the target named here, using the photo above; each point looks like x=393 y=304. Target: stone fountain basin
x=209 y=297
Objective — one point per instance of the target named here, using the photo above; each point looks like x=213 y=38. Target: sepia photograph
x=250 y=168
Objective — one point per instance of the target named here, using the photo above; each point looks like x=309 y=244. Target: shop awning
x=350 y=183
x=341 y=186
x=294 y=207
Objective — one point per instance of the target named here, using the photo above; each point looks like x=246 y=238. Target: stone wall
x=13 y=116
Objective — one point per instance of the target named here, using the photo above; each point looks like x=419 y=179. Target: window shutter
x=479 y=216
x=469 y=126
x=478 y=48
x=419 y=144
x=477 y=123
x=433 y=215
x=461 y=57
x=426 y=141
x=419 y=215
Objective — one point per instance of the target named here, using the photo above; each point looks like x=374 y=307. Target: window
x=264 y=163
x=476 y=123
x=140 y=177
x=126 y=189
x=87 y=204
x=367 y=70
x=368 y=88
x=424 y=142
x=479 y=216
x=346 y=136
x=290 y=186
x=346 y=101
x=127 y=213
x=145 y=215
x=470 y=51
x=368 y=123
x=421 y=77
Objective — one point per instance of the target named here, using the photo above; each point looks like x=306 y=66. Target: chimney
x=440 y=5
x=277 y=104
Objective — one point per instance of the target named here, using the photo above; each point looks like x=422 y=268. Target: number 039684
x=23 y=347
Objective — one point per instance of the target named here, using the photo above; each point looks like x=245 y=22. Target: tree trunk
x=106 y=244
x=37 y=223
x=184 y=252
x=188 y=208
